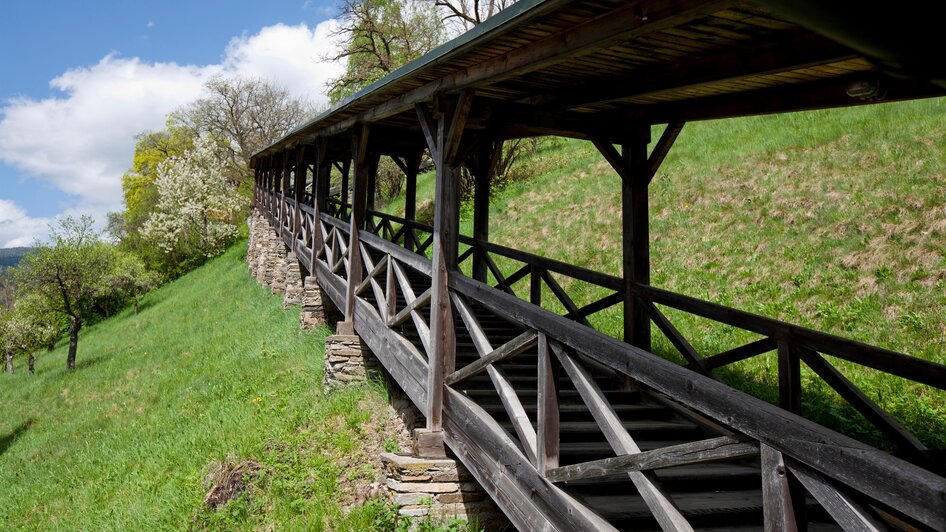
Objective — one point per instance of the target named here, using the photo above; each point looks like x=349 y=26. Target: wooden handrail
x=899 y=364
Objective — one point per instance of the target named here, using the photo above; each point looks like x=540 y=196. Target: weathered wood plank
x=846 y=511
x=711 y=450
x=422 y=330
x=742 y=352
x=660 y=151
x=789 y=377
x=679 y=342
x=778 y=506
x=660 y=504
x=517 y=345
x=547 y=410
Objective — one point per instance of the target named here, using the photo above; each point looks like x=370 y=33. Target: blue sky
x=81 y=78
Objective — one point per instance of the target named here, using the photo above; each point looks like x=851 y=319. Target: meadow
x=212 y=373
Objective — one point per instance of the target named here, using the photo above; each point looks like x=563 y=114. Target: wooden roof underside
x=582 y=68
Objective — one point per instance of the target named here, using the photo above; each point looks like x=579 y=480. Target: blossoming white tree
x=196 y=213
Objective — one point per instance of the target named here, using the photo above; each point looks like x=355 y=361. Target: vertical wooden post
x=548 y=437
x=778 y=508
x=320 y=188
x=411 y=169
x=346 y=168
x=443 y=132
x=789 y=378
x=299 y=177
x=484 y=164
x=635 y=229
x=372 y=192
x=277 y=182
x=284 y=210
x=359 y=150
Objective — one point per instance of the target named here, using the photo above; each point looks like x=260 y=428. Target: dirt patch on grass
x=228 y=480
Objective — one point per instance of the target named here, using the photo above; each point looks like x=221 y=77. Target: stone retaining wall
x=440 y=490
x=293 y=276
x=317 y=307
x=347 y=360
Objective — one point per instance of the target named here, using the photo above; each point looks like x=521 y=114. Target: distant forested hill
x=12 y=256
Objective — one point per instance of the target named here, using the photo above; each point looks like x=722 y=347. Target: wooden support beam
x=778 y=505
x=742 y=352
x=320 y=188
x=698 y=452
x=482 y=165
x=345 y=171
x=693 y=358
x=410 y=166
x=441 y=132
x=359 y=151
x=283 y=206
x=667 y=138
x=789 y=377
x=635 y=231
x=848 y=513
x=299 y=172
x=548 y=436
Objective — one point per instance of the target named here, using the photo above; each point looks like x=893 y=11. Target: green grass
x=212 y=370
x=834 y=220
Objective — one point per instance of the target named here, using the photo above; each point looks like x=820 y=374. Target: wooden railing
x=848 y=478
x=794 y=344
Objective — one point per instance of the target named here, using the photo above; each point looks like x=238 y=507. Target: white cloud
x=18 y=229
x=150 y=24
x=83 y=141
x=292 y=56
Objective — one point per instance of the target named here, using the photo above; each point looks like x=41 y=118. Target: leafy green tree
x=68 y=274
x=28 y=327
x=130 y=279
x=379 y=37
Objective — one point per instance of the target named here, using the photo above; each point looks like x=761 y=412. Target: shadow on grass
x=7 y=440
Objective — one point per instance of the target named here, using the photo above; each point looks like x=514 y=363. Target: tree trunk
x=9 y=357
x=32 y=362
x=73 y=342
x=136 y=306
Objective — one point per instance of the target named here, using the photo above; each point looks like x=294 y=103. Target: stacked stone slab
x=258 y=227
x=347 y=360
x=293 y=294
x=438 y=490
x=262 y=260
x=278 y=266
x=317 y=308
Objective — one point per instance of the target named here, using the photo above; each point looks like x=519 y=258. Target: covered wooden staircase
x=565 y=427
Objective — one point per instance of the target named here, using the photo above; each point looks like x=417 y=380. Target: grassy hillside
x=212 y=372
x=834 y=220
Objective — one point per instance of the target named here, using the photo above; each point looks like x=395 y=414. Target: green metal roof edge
x=501 y=19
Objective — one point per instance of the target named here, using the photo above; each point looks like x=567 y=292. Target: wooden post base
x=428 y=444
x=345 y=328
